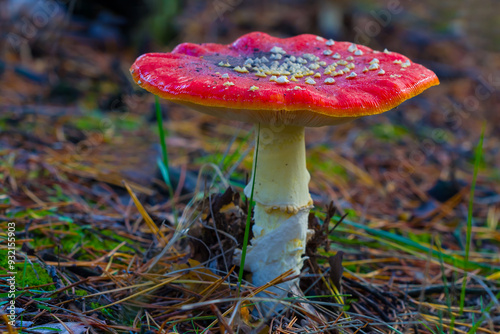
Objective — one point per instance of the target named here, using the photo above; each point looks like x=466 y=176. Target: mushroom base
x=282 y=207
x=273 y=253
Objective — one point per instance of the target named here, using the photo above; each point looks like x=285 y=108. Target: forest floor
x=103 y=246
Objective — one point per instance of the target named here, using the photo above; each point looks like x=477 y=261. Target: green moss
x=95 y=305
x=112 y=244
x=28 y=275
x=30 y=213
x=81 y=293
x=36 y=275
x=105 y=311
x=75 y=236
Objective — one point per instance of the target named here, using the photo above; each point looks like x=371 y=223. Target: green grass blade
x=163 y=163
x=407 y=243
x=164 y=172
x=428 y=328
x=249 y=214
x=486 y=312
x=479 y=155
x=446 y=289
x=163 y=142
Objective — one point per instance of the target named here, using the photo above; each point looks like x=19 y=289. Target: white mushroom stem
x=281 y=193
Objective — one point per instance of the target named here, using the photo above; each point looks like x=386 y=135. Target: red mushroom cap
x=304 y=80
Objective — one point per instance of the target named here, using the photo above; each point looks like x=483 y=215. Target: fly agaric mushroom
x=284 y=85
